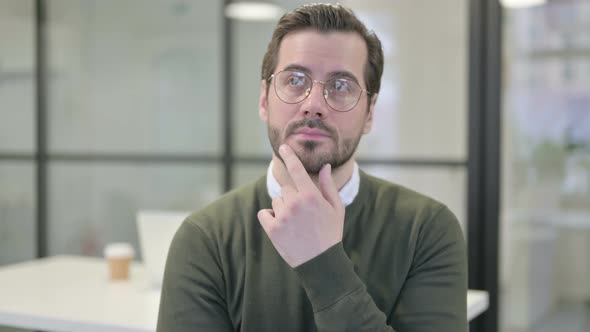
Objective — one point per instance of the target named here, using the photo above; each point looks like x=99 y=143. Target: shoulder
x=228 y=214
x=425 y=227
x=384 y=193
x=407 y=206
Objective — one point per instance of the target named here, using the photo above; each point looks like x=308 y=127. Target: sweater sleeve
x=338 y=297
x=192 y=296
x=434 y=296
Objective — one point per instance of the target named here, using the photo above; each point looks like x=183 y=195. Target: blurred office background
x=113 y=106
x=545 y=182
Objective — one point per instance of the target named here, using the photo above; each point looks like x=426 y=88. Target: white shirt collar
x=347 y=193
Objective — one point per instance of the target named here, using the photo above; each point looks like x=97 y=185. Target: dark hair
x=326 y=18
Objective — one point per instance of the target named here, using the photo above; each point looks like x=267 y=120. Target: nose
x=315 y=104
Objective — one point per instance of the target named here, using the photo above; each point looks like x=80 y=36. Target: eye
x=342 y=85
x=295 y=80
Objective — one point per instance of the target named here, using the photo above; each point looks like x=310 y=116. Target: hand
x=306 y=220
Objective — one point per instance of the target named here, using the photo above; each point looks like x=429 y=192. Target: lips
x=311 y=133
x=311 y=129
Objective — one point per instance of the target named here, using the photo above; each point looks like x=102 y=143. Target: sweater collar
x=347 y=193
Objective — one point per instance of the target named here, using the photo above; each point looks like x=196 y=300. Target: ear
x=369 y=119
x=263 y=103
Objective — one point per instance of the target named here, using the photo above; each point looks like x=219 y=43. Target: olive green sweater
x=400 y=267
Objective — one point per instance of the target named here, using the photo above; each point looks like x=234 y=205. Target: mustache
x=310 y=123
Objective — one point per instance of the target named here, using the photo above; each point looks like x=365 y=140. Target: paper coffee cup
x=119 y=257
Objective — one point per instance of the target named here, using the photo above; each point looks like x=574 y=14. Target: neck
x=341 y=175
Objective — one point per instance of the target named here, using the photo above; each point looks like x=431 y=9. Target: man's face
x=317 y=133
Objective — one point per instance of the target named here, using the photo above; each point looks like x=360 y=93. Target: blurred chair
x=156 y=230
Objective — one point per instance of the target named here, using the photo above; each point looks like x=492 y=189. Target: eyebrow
x=336 y=73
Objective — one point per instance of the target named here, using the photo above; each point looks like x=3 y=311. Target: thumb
x=328 y=187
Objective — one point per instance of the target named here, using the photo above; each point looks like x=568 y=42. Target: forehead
x=323 y=52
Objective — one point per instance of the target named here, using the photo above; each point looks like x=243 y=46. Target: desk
x=71 y=294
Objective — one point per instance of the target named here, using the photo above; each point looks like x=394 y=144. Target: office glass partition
x=545 y=216
x=17 y=111
x=134 y=115
x=17 y=123
x=421 y=112
x=249 y=41
x=135 y=77
x=17 y=76
x=17 y=206
x=94 y=204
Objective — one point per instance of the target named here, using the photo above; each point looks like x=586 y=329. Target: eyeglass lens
x=341 y=94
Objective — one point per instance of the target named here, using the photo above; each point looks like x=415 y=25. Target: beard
x=312 y=159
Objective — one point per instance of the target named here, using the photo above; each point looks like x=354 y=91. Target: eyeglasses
x=341 y=93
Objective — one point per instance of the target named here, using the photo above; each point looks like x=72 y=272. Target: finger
x=296 y=170
x=328 y=187
x=288 y=191
x=266 y=219
x=277 y=204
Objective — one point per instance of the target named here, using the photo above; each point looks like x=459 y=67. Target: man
x=316 y=244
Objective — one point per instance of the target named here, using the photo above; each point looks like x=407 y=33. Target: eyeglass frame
x=311 y=88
